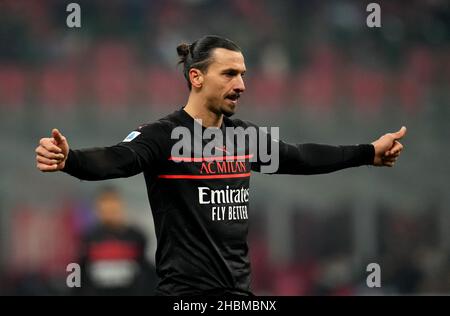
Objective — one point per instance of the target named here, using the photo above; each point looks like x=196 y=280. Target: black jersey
x=200 y=203
x=113 y=262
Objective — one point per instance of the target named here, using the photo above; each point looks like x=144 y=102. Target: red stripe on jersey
x=218 y=158
x=220 y=176
x=113 y=249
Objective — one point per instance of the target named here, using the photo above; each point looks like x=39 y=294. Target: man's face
x=110 y=210
x=223 y=82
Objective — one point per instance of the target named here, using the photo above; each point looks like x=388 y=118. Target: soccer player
x=112 y=252
x=200 y=202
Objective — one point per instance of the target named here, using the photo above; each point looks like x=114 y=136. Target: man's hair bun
x=183 y=51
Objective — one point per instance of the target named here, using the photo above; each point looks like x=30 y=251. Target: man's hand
x=388 y=148
x=51 y=154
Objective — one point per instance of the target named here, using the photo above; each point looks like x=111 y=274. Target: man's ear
x=196 y=77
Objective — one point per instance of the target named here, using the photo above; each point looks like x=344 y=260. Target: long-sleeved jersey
x=200 y=203
x=113 y=262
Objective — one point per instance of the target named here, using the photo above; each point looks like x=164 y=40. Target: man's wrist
x=70 y=162
x=367 y=153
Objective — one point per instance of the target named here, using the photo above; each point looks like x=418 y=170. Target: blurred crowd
x=410 y=260
x=124 y=53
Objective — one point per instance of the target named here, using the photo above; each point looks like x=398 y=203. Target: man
x=112 y=255
x=199 y=202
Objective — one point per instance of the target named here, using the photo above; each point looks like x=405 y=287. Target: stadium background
x=314 y=69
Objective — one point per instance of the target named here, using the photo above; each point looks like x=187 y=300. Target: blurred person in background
x=200 y=251
x=113 y=260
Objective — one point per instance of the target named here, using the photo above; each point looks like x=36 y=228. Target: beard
x=228 y=112
x=228 y=109
x=224 y=109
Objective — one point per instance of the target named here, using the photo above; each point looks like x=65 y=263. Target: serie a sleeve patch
x=131 y=136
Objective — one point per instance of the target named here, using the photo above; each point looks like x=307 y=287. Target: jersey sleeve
x=148 y=143
x=312 y=158
x=306 y=158
x=139 y=151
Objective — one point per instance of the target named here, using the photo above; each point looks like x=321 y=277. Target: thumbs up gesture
x=388 y=148
x=51 y=154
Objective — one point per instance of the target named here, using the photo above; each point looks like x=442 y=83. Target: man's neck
x=199 y=110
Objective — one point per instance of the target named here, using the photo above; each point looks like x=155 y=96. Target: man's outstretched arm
x=53 y=154
x=319 y=159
